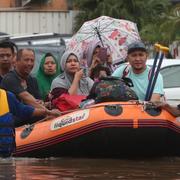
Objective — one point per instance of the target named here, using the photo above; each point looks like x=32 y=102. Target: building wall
x=22 y=23
x=53 y=5
x=5 y=3
x=60 y=5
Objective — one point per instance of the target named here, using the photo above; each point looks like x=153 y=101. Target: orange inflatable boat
x=103 y=130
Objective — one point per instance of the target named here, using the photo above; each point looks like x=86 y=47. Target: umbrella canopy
x=115 y=34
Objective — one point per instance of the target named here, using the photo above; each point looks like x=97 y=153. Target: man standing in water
x=10 y=106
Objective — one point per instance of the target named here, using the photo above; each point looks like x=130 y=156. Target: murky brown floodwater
x=89 y=169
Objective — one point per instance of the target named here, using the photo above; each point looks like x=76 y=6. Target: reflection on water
x=90 y=169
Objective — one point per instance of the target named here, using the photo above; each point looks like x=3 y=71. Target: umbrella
x=114 y=34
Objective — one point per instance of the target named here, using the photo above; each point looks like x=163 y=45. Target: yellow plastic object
x=4 y=107
x=157 y=46
x=164 y=49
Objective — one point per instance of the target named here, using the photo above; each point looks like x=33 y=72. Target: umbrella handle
x=99 y=36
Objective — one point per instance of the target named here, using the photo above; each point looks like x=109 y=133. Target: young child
x=99 y=71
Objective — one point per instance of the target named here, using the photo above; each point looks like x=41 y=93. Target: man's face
x=6 y=58
x=137 y=60
x=26 y=63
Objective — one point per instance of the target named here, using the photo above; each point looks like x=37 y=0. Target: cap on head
x=136 y=46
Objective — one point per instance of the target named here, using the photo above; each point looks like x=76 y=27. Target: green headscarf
x=44 y=81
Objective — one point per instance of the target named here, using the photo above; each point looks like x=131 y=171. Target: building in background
x=61 y=5
x=21 y=17
x=43 y=25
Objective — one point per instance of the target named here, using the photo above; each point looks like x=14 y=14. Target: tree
x=152 y=16
x=170 y=27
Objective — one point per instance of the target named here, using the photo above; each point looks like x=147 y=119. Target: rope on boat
x=145 y=105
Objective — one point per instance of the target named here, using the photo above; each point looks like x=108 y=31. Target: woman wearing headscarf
x=72 y=80
x=91 y=53
x=93 y=56
x=48 y=70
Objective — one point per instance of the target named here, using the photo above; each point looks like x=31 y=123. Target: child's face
x=102 y=73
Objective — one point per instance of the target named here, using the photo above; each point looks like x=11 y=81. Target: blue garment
x=10 y=106
x=17 y=108
x=140 y=81
x=7 y=135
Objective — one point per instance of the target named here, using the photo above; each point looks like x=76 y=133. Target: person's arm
x=155 y=97
x=27 y=98
x=95 y=62
x=17 y=108
x=75 y=84
x=46 y=112
x=23 y=111
x=158 y=91
x=175 y=111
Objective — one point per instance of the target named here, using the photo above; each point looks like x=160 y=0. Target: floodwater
x=90 y=169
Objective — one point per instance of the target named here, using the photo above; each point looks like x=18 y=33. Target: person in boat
x=47 y=71
x=7 y=57
x=99 y=71
x=139 y=72
x=72 y=80
x=10 y=105
x=94 y=57
x=174 y=110
x=22 y=84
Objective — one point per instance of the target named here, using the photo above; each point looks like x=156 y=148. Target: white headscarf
x=65 y=80
x=64 y=58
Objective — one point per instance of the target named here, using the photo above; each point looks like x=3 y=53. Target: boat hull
x=97 y=132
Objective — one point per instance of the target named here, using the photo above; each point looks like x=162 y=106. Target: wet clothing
x=140 y=81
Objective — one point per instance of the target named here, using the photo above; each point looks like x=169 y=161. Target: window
x=171 y=76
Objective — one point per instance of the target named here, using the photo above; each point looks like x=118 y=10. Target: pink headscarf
x=90 y=50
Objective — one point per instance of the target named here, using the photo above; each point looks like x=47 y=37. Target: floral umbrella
x=114 y=34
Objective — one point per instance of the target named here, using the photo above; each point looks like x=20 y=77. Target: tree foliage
x=154 y=19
